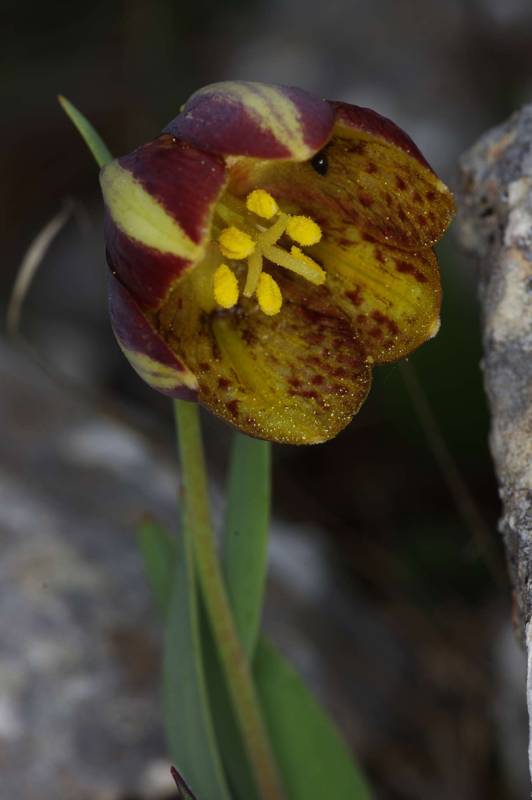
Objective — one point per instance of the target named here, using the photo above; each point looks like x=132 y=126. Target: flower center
x=247 y=238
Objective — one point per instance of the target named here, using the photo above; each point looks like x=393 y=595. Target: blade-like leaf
x=188 y=718
x=90 y=136
x=158 y=550
x=232 y=748
x=315 y=762
x=246 y=534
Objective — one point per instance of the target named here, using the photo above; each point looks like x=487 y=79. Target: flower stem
x=232 y=655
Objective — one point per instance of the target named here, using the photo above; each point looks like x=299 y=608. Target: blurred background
x=388 y=586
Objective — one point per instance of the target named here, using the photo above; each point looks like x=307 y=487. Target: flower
x=266 y=250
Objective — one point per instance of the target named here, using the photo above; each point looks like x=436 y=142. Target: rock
x=80 y=712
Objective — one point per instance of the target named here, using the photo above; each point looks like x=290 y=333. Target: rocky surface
x=496 y=226
x=79 y=709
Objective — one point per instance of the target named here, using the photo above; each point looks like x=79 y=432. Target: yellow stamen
x=274 y=233
x=254 y=271
x=303 y=230
x=269 y=295
x=297 y=262
x=262 y=204
x=225 y=287
x=245 y=238
x=235 y=243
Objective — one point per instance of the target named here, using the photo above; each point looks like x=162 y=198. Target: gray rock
x=495 y=224
x=79 y=640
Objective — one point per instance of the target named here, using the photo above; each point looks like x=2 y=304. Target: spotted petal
x=392 y=297
x=373 y=178
x=255 y=119
x=391 y=187
x=297 y=377
x=159 y=202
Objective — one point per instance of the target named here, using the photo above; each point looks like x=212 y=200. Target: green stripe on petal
x=242 y=118
x=159 y=376
x=272 y=109
x=139 y=216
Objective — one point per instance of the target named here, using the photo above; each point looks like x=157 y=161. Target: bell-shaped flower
x=267 y=250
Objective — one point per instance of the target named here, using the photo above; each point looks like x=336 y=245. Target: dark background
x=409 y=561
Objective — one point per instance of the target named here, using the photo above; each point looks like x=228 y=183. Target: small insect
x=319 y=163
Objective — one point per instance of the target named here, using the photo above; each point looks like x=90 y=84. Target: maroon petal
x=159 y=202
x=145 y=350
x=255 y=119
x=369 y=121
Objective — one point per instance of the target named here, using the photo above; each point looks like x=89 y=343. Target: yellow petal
x=392 y=296
x=296 y=377
x=370 y=182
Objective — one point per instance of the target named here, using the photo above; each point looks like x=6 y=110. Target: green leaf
x=158 y=550
x=189 y=724
x=314 y=760
x=228 y=734
x=246 y=535
x=90 y=136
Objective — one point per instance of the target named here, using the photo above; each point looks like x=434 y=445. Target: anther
x=262 y=204
x=225 y=287
x=235 y=243
x=254 y=241
x=269 y=295
x=303 y=230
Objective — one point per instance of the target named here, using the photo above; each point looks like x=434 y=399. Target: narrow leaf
x=188 y=719
x=90 y=136
x=246 y=534
x=314 y=760
x=232 y=749
x=158 y=550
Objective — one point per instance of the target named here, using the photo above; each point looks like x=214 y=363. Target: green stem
x=232 y=655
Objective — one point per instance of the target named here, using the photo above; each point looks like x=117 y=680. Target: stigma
x=248 y=238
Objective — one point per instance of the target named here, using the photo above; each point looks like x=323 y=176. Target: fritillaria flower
x=267 y=250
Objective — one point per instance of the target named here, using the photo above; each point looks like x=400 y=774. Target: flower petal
x=159 y=202
x=297 y=377
x=365 y=120
x=370 y=175
x=401 y=200
x=146 y=351
x=393 y=297
x=255 y=119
